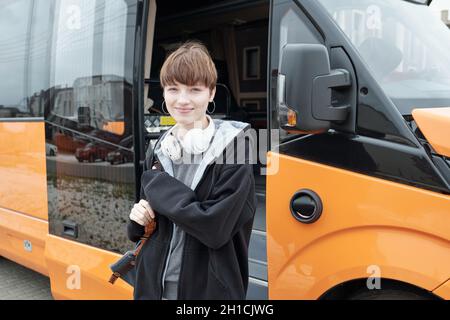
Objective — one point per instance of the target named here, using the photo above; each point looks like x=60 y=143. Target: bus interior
x=236 y=35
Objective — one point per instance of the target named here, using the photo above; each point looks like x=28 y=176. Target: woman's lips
x=183 y=110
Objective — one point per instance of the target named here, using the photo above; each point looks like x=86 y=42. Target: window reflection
x=91 y=181
x=14 y=25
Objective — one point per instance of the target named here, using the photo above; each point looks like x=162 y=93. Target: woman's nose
x=183 y=98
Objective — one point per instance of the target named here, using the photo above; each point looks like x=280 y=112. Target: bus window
x=14 y=25
x=91 y=181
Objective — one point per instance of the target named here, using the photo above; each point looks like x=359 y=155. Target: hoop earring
x=211 y=112
x=162 y=107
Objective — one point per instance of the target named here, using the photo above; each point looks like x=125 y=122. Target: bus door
x=91 y=182
x=354 y=196
x=235 y=33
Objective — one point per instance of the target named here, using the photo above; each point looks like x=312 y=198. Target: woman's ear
x=213 y=94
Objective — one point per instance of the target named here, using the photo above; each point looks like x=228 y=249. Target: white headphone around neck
x=195 y=141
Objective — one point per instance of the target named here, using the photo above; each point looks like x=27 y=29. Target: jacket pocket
x=151 y=244
x=216 y=289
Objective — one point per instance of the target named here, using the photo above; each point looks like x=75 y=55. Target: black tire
x=390 y=294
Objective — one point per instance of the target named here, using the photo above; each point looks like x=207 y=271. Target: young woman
x=202 y=197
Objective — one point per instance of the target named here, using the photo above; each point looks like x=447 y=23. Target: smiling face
x=188 y=77
x=187 y=104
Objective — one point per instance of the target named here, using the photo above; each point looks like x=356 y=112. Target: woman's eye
x=196 y=89
x=172 y=89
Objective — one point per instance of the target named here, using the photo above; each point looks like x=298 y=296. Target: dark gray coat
x=217 y=215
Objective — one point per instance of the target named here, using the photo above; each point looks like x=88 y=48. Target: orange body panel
x=23 y=194
x=23 y=184
x=15 y=228
x=79 y=271
x=435 y=126
x=443 y=290
x=367 y=225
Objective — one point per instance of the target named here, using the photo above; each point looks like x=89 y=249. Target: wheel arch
x=349 y=288
x=346 y=257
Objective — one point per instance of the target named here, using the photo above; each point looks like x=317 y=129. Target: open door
x=91 y=181
x=235 y=34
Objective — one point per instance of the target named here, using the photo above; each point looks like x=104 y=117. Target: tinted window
x=91 y=179
x=15 y=19
x=91 y=70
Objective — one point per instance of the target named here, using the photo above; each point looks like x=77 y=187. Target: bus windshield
x=405 y=45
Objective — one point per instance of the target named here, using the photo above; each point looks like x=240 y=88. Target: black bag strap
x=150 y=153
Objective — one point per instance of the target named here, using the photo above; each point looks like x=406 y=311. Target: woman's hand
x=142 y=213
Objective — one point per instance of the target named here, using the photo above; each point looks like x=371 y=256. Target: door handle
x=70 y=229
x=306 y=206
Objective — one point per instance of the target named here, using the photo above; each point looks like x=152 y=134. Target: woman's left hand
x=142 y=213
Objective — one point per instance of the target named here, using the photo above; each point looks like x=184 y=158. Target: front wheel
x=389 y=294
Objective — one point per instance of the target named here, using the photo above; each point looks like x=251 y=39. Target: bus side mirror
x=304 y=89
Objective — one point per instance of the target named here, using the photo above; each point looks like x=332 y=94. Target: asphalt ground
x=20 y=283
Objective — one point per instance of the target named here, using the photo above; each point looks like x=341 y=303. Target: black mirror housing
x=306 y=81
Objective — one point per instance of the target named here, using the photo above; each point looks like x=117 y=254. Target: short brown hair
x=190 y=64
